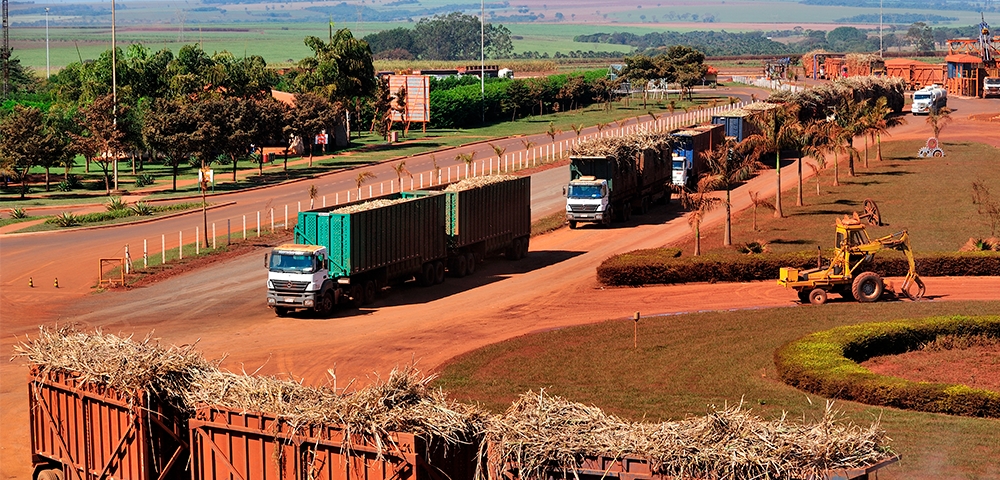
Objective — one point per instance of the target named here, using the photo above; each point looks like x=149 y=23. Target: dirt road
x=222 y=307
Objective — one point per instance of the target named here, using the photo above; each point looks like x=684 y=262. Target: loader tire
x=867 y=287
x=817 y=296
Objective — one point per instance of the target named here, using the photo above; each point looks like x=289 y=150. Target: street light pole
x=114 y=83
x=880 y=28
x=46 y=42
x=482 y=57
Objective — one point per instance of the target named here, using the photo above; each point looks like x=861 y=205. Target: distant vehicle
x=929 y=99
x=991 y=87
x=606 y=189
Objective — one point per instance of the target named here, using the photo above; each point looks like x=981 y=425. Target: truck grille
x=288 y=286
x=583 y=208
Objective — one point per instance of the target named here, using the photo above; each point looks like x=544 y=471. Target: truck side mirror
x=265 y=261
x=564 y=190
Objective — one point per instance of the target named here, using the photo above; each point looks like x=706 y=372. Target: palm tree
x=400 y=169
x=576 y=128
x=937 y=120
x=882 y=121
x=497 y=150
x=467 y=158
x=313 y=192
x=848 y=115
x=700 y=204
x=779 y=128
x=728 y=166
x=757 y=202
x=552 y=132
x=363 y=177
x=815 y=143
x=817 y=170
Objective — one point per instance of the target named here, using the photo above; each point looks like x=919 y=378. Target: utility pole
x=46 y=42
x=880 y=3
x=482 y=57
x=5 y=53
x=114 y=85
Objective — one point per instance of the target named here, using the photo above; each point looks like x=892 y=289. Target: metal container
x=227 y=444
x=89 y=431
x=735 y=124
x=399 y=238
x=486 y=218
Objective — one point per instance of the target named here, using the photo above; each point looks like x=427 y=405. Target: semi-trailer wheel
x=867 y=287
x=279 y=311
x=439 y=271
x=50 y=474
x=324 y=304
x=460 y=266
x=370 y=292
x=627 y=212
x=644 y=206
x=817 y=296
x=524 y=247
x=357 y=295
x=470 y=263
x=427 y=279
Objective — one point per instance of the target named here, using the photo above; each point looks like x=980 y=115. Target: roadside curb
x=112 y=225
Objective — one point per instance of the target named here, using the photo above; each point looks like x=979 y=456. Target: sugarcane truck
x=848 y=274
x=606 y=189
x=350 y=257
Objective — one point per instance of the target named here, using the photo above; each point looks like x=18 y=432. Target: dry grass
x=400 y=403
x=370 y=205
x=541 y=431
x=476 y=182
x=624 y=147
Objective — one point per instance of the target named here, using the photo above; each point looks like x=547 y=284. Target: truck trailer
x=690 y=145
x=603 y=189
x=350 y=253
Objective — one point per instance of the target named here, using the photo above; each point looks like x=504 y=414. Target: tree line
x=192 y=108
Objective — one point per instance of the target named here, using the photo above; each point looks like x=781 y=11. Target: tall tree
x=729 y=166
x=312 y=114
x=21 y=134
x=168 y=128
x=778 y=128
x=938 y=120
x=106 y=125
x=848 y=115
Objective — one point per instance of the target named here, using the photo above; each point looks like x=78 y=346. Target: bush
x=826 y=363
x=18 y=213
x=632 y=269
x=142 y=209
x=115 y=204
x=143 y=180
x=65 y=219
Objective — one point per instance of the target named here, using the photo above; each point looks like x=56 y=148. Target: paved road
x=72 y=256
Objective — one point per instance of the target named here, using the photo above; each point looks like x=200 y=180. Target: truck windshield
x=585 y=191
x=283 y=262
x=921 y=96
x=678 y=164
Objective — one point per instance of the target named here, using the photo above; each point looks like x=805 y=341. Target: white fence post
x=163 y=248
x=286 y=217
x=213 y=235
x=258 y=223
x=145 y=257
x=180 y=245
x=244 y=227
x=272 y=220
x=197 y=242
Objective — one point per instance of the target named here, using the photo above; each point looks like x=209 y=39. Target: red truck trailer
x=87 y=431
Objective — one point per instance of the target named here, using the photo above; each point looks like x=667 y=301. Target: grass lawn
x=367 y=149
x=930 y=198
x=686 y=363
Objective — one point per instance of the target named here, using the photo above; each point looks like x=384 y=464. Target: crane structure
x=986 y=47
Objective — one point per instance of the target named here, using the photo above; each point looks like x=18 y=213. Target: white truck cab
x=679 y=171
x=587 y=200
x=298 y=277
x=929 y=99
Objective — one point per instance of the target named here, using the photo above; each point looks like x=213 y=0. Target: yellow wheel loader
x=848 y=275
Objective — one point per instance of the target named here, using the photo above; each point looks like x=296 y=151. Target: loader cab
x=851 y=234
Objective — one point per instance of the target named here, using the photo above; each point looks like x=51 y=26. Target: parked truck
x=350 y=253
x=929 y=99
x=603 y=189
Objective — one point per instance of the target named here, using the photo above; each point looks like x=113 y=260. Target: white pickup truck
x=991 y=87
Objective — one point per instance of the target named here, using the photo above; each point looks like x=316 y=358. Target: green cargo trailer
x=485 y=216
x=356 y=254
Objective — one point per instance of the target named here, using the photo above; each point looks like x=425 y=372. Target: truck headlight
x=308 y=302
x=270 y=302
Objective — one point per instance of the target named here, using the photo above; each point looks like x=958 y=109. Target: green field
x=249 y=28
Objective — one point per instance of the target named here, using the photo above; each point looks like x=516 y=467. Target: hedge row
x=658 y=266
x=826 y=363
x=462 y=106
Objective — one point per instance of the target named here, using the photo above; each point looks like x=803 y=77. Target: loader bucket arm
x=901 y=241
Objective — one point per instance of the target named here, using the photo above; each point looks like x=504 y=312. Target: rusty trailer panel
x=231 y=445
x=633 y=468
x=92 y=432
